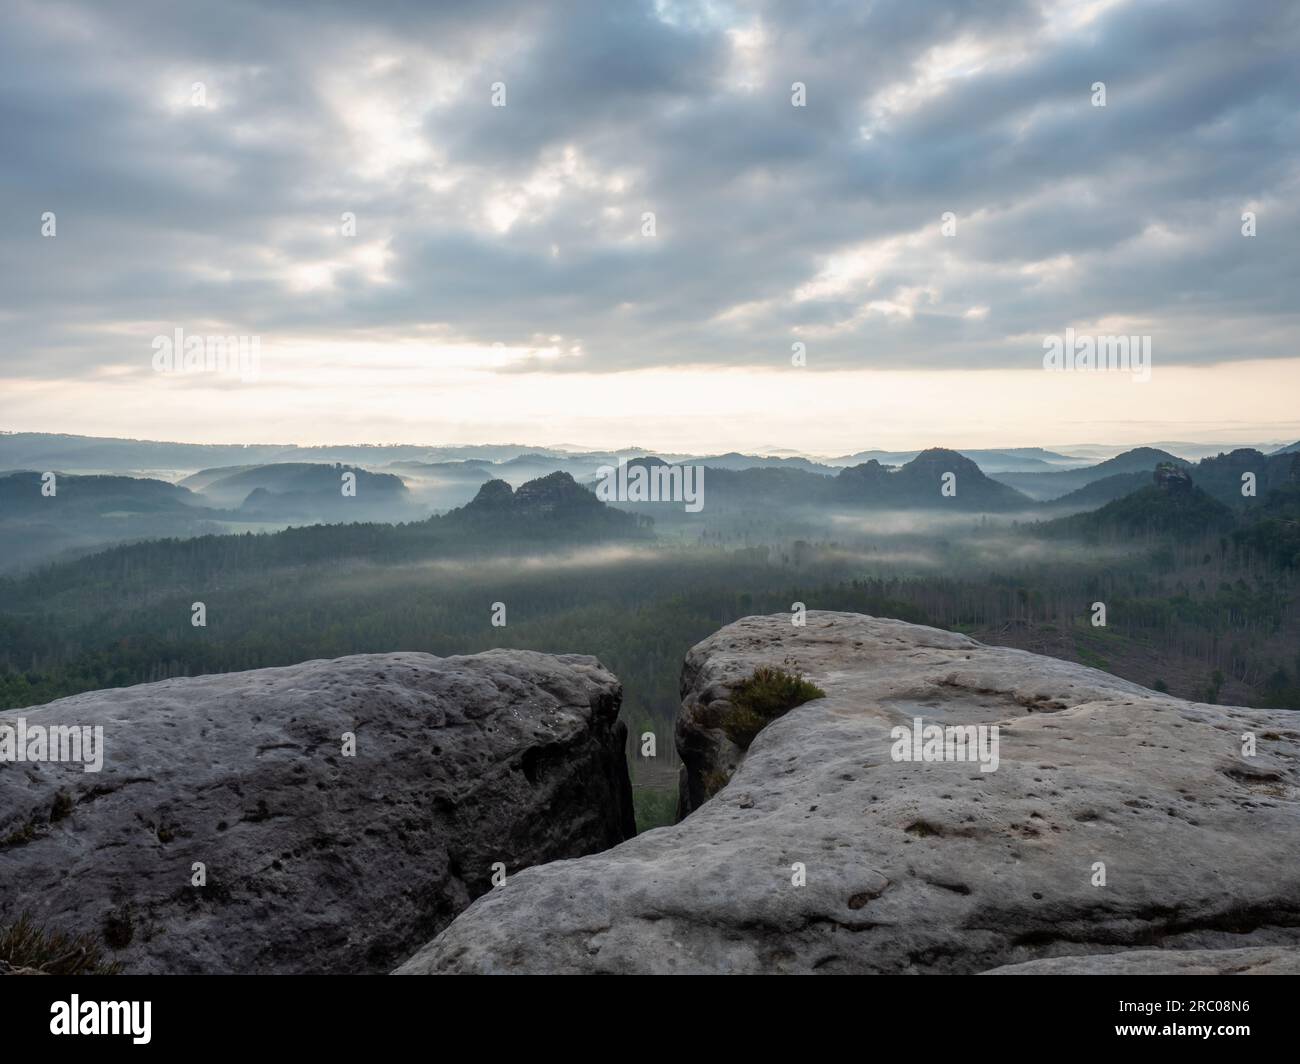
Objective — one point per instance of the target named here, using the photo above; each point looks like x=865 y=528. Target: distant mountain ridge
x=998 y=460
x=21 y=493
x=1171 y=505
x=408 y=484
x=1047 y=486
x=918 y=484
x=88 y=512
x=90 y=454
x=552 y=513
x=318 y=483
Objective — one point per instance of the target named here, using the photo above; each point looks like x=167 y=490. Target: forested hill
x=78 y=497
x=553 y=512
x=1169 y=506
x=1275 y=532
x=1174 y=507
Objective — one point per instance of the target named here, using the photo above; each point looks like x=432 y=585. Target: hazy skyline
x=500 y=284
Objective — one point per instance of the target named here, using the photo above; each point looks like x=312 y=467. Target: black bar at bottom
x=336 y=1014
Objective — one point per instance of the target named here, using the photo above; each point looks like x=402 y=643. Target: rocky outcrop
x=1171 y=478
x=553 y=508
x=1116 y=819
x=312 y=860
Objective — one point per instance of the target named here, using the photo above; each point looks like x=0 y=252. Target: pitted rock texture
x=315 y=861
x=926 y=866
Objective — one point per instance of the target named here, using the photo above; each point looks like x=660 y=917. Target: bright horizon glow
x=406 y=397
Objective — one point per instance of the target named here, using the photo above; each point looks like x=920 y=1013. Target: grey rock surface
x=315 y=861
x=1259 y=960
x=924 y=866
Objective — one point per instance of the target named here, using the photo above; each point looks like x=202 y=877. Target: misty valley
x=1156 y=569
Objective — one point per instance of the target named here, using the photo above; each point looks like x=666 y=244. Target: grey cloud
x=186 y=215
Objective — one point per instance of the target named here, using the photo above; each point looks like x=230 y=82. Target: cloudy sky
x=503 y=282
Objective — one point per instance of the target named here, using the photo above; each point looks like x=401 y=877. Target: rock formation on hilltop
x=557 y=492
x=548 y=508
x=315 y=861
x=1117 y=821
x=1170 y=506
x=1172 y=478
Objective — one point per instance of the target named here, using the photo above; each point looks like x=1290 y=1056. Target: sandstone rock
x=924 y=866
x=1172 y=478
x=315 y=862
x=1261 y=960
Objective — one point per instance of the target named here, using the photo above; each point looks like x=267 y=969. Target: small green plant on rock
x=27 y=948
x=768 y=694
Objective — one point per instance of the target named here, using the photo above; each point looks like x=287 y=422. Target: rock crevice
x=1117 y=818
